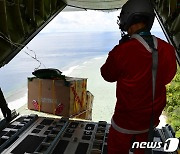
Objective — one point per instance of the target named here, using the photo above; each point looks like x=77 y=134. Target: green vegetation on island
x=172 y=108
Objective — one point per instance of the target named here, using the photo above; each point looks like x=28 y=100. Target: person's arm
x=4 y=108
x=172 y=66
x=109 y=70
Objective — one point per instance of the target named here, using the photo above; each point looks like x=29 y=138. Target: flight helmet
x=134 y=11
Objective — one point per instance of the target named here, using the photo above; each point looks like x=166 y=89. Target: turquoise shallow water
x=76 y=54
x=54 y=50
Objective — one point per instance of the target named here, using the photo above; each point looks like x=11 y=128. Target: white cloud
x=84 y=21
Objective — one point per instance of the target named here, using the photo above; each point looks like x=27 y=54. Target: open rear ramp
x=21 y=20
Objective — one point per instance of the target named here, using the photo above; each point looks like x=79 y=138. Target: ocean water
x=77 y=54
x=63 y=51
x=55 y=50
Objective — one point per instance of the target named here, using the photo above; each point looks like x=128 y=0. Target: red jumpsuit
x=130 y=65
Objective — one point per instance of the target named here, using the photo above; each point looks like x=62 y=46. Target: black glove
x=4 y=108
x=6 y=113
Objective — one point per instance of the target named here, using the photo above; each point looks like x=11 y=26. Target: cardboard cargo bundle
x=87 y=114
x=89 y=100
x=60 y=97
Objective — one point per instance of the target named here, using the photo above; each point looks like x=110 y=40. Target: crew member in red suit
x=130 y=65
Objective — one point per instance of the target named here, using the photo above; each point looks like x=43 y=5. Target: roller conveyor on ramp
x=46 y=135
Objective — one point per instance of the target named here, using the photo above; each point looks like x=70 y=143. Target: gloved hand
x=4 y=108
x=6 y=113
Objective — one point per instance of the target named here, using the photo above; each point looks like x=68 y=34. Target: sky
x=87 y=21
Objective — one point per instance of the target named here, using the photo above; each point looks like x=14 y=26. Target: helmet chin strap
x=124 y=37
x=123 y=33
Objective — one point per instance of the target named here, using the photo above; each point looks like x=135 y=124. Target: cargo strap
x=56 y=106
x=40 y=95
x=126 y=131
x=53 y=97
x=79 y=114
x=83 y=98
x=77 y=99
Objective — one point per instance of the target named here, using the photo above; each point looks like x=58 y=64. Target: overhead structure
x=96 y=4
x=168 y=15
x=21 y=20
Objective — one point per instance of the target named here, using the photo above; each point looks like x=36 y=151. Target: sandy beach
x=104 y=92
